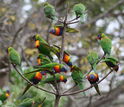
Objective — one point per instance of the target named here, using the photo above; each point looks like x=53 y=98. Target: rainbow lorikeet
x=14 y=56
x=58 y=77
x=4 y=95
x=105 y=43
x=57 y=30
x=35 y=78
x=49 y=68
x=49 y=11
x=112 y=62
x=77 y=76
x=42 y=46
x=41 y=59
x=93 y=78
x=56 y=66
x=93 y=59
x=79 y=9
x=66 y=57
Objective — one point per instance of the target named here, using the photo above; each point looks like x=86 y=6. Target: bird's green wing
x=15 y=57
x=106 y=45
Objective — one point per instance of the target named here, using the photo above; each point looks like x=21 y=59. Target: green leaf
x=71 y=30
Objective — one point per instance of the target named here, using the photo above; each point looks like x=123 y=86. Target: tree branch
x=79 y=91
x=31 y=82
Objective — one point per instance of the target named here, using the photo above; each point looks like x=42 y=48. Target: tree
x=77 y=53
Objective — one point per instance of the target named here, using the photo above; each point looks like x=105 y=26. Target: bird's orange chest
x=38 y=76
x=37 y=43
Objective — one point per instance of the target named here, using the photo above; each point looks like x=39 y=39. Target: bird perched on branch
x=56 y=66
x=49 y=11
x=35 y=78
x=79 y=9
x=77 y=76
x=41 y=59
x=42 y=46
x=57 y=31
x=57 y=77
x=105 y=43
x=112 y=62
x=4 y=95
x=93 y=59
x=14 y=57
x=93 y=78
x=49 y=68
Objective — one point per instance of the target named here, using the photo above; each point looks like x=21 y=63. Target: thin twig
x=69 y=89
x=43 y=101
x=52 y=88
x=73 y=22
x=31 y=82
x=74 y=19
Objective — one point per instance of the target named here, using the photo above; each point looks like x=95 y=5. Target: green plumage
x=44 y=48
x=3 y=95
x=51 y=79
x=93 y=59
x=27 y=103
x=49 y=11
x=38 y=37
x=112 y=62
x=29 y=77
x=14 y=56
x=106 y=44
x=57 y=50
x=50 y=65
x=43 y=59
x=77 y=76
x=79 y=9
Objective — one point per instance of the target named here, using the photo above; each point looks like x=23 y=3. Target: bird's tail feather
x=25 y=90
x=97 y=88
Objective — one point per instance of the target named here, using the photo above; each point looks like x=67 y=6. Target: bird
x=112 y=62
x=93 y=59
x=4 y=95
x=14 y=57
x=50 y=68
x=42 y=46
x=57 y=31
x=49 y=11
x=77 y=76
x=79 y=9
x=58 y=78
x=42 y=59
x=105 y=43
x=93 y=78
x=35 y=78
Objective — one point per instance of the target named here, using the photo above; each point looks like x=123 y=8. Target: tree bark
x=57 y=99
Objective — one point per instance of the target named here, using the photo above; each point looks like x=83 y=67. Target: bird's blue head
x=63 y=69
